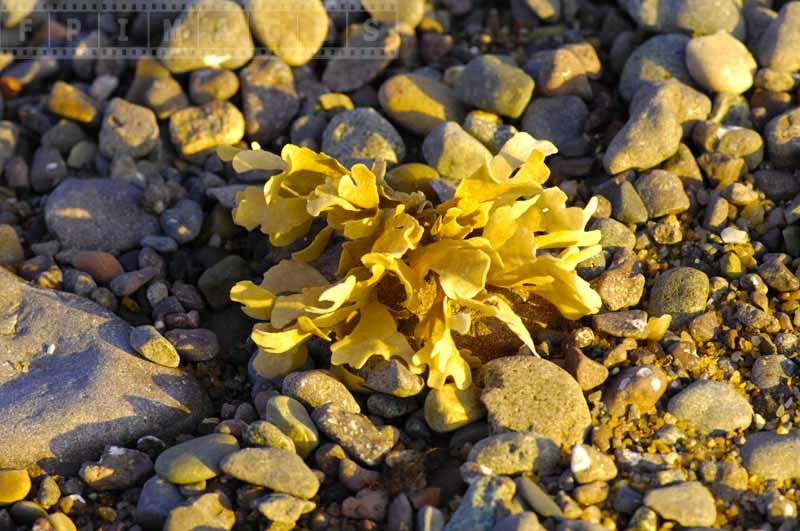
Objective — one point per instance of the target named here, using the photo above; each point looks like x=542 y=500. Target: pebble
x=128 y=129
x=651 y=135
x=430 y=519
x=316 y=388
x=283 y=509
x=390 y=407
x=362 y=440
x=453 y=152
x=196 y=459
x=69 y=102
x=631 y=323
x=587 y=372
x=523 y=393
x=216 y=282
x=613 y=234
x=102 y=266
x=152 y=346
x=492 y=84
x=640 y=386
x=659 y=59
x=162 y=244
x=292 y=419
x=391 y=377
x=11 y=251
x=165 y=96
x=561 y=120
x=768 y=372
x=98 y=215
x=558 y=73
x=274 y=468
x=681 y=292
x=777 y=276
x=263 y=433
x=589 y=465
x=419 y=102
x=489 y=129
x=210 y=84
x=405 y=12
x=183 y=222
x=662 y=193
x=449 y=408
x=710 y=406
x=367 y=504
x=777 y=47
x=400 y=516
x=689 y=503
x=269 y=98
x=209 y=511
x=698 y=17
x=515 y=453
x=362 y=136
x=14 y=485
x=771 y=456
x=782 y=135
x=156 y=500
x=223 y=39
x=346 y=75
x=525 y=521
x=196 y=129
x=194 y=345
x=295 y=35
x=47 y=169
x=720 y=63
x=479 y=506
x=118 y=469
x=128 y=283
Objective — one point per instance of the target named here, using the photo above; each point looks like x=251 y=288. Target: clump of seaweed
x=411 y=274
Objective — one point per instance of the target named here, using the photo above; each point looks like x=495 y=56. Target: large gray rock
x=98 y=215
x=710 y=406
x=83 y=387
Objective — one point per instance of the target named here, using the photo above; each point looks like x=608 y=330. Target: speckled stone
x=523 y=393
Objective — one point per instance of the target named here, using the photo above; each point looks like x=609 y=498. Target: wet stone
x=639 y=386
